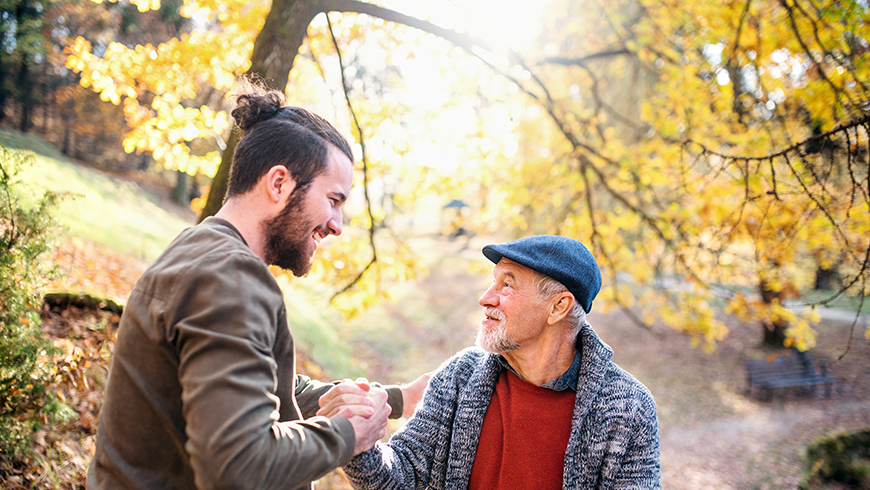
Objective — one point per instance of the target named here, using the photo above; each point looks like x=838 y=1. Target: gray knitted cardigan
x=614 y=441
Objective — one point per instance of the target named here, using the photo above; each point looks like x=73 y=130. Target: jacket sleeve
x=309 y=391
x=640 y=468
x=223 y=327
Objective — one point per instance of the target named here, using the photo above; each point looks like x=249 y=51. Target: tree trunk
x=179 y=194
x=66 y=147
x=67 y=115
x=48 y=107
x=220 y=182
x=827 y=279
x=26 y=94
x=774 y=329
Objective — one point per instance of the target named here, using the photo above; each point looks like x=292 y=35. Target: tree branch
x=365 y=166
x=581 y=61
x=462 y=40
x=860 y=121
x=819 y=68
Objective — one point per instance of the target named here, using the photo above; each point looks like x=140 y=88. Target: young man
x=538 y=405
x=203 y=391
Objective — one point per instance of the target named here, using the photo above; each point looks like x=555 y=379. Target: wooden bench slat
x=786 y=371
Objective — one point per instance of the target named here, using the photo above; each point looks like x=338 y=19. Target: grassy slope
x=136 y=221
x=105 y=209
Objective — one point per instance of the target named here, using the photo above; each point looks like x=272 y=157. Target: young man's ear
x=279 y=182
x=561 y=304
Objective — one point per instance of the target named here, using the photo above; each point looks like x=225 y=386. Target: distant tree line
x=39 y=95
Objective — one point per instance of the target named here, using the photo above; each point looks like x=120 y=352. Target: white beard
x=496 y=340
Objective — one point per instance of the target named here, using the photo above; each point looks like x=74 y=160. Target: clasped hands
x=366 y=407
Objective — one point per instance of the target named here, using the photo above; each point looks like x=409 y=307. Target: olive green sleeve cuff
x=344 y=429
x=394 y=398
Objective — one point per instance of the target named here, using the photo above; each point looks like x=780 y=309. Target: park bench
x=789 y=371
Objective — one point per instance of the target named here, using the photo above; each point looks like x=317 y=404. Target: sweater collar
x=569 y=379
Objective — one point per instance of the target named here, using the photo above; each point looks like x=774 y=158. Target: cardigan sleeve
x=640 y=469
x=415 y=454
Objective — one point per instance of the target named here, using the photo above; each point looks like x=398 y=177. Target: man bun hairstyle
x=256 y=106
x=275 y=134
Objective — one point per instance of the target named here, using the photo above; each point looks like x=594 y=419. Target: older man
x=539 y=405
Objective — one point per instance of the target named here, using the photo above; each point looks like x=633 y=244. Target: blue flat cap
x=563 y=259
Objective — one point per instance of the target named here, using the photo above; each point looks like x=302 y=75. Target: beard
x=288 y=236
x=497 y=340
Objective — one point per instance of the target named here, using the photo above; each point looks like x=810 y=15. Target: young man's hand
x=368 y=430
x=413 y=393
x=347 y=399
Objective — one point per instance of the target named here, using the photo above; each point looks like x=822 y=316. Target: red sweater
x=524 y=437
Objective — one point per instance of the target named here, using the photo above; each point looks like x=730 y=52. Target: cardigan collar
x=474 y=400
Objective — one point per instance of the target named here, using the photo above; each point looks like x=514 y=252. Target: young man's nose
x=334 y=224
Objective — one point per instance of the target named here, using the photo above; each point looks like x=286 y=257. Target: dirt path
x=715 y=436
x=760 y=449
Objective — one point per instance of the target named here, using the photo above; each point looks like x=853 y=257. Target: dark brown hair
x=278 y=135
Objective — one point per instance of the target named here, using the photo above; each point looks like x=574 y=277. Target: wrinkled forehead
x=508 y=266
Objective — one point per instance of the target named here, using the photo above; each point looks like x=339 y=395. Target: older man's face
x=515 y=316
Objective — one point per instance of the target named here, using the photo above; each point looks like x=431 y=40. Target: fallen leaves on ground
x=95 y=269
x=62 y=452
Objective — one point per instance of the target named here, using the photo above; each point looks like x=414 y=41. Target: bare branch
x=462 y=40
x=860 y=121
x=362 y=142
x=581 y=61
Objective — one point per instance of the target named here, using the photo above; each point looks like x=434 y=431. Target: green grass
x=315 y=326
x=842 y=302
x=109 y=210
x=23 y=141
x=131 y=219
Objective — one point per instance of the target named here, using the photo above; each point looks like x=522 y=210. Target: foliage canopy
x=712 y=154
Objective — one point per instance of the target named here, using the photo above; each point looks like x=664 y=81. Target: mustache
x=494 y=313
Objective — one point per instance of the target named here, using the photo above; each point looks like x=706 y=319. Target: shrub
x=842 y=459
x=25 y=371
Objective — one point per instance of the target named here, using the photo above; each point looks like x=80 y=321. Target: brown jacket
x=203 y=391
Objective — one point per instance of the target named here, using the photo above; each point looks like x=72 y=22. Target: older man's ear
x=561 y=305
